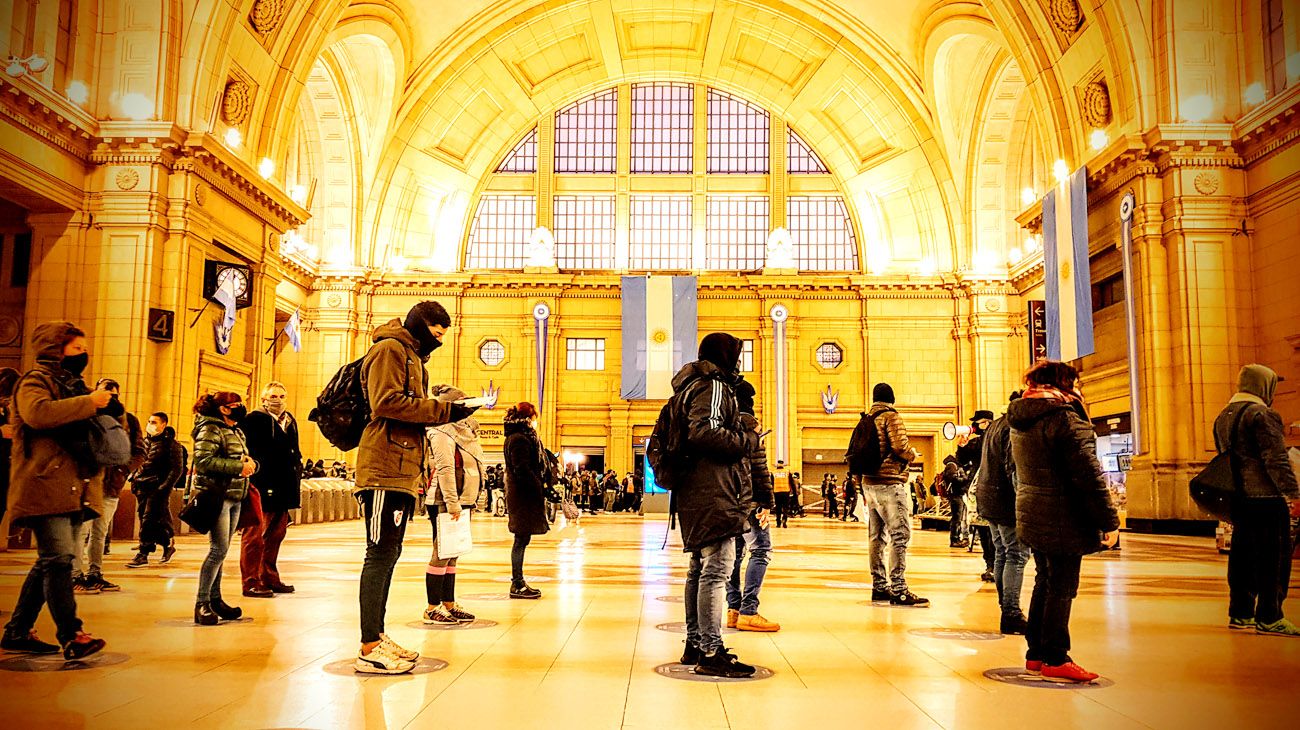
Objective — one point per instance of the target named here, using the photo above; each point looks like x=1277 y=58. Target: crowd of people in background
x=1027 y=485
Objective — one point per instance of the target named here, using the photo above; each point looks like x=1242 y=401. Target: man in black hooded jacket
x=712 y=497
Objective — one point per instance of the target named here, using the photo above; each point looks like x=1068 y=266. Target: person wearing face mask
x=90 y=580
x=391 y=462
x=163 y=469
x=525 y=489
x=272 y=434
x=56 y=484
x=1259 y=565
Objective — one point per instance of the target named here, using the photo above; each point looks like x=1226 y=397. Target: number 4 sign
x=161 y=324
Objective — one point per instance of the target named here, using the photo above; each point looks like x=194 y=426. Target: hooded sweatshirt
x=456 y=459
x=1259 y=442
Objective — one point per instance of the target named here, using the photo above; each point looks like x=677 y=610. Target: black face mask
x=238 y=413
x=76 y=364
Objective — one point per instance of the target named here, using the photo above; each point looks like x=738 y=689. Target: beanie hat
x=882 y=393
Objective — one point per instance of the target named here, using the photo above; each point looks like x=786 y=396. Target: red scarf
x=1053 y=393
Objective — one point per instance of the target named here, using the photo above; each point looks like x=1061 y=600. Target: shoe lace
x=387 y=643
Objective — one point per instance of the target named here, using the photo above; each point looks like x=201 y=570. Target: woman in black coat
x=1063 y=508
x=525 y=483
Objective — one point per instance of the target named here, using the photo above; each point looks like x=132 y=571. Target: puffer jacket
x=164 y=464
x=713 y=501
x=217 y=462
x=392 y=453
x=894 y=446
x=995 y=487
x=457 y=458
x=760 y=479
x=1263 y=468
x=45 y=479
x=526 y=470
x=1062 y=502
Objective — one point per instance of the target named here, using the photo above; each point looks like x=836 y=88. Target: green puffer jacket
x=217 y=462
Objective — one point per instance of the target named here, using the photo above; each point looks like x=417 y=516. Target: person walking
x=830 y=504
x=1259 y=564
x=391 y=464
x=275 y=489
x=88 y=567
x=163 y=469
x=742 y=599
x=781 y=494
x=711 y=494
x=879 y=454
x=456 y=458
x=222 y=467
x=56 y=484
x=995 y=496
x=525 y=486
x=1063 y=509
x=852 y=493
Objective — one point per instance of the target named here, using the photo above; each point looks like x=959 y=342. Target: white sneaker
x=382 y=661
x=386 y=641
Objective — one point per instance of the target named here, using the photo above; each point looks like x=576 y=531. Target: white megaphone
x=953 y=431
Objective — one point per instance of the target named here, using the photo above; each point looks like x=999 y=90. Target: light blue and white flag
x=660 y=330
x=291 y=330
x=1067 y=275
x=225 y=295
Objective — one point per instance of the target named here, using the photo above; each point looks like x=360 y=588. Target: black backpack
x=864 y=454
x=342 y=409
x=665 y=450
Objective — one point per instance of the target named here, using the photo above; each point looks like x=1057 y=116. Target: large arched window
x=661 y=177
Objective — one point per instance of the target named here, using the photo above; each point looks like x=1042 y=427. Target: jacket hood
x=463 y=433
x=880 y=407
x=515 y=425
x=48 y=339
x=1024 y=413
x=168 y=433
x=393 y=330
x=721 y=349
x=1259 y=381
x=693 y=371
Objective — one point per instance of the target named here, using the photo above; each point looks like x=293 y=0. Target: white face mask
x=153 y=430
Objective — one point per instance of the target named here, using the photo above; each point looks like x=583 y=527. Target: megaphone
x=952 y=431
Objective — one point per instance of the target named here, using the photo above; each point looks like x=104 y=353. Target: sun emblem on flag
x=659 y=337
x=1065 y=270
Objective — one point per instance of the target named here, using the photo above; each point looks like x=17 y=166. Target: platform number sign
x=162 y=323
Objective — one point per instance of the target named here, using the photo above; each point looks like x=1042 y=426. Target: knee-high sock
x=449 y=585
x=434 y=583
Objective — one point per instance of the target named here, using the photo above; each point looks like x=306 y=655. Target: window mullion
x=623 y=178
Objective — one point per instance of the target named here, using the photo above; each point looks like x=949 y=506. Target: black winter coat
x=279 y=462
x=995 y=490
x=525 y=480
x=1062 y=502
x=1263 y=468
x=713 y=501
x=164 y=464
x=760 y=479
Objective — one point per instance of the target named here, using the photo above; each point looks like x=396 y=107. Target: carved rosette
x=200 y=195
x=266 y=15
x=1206 y=183
x=1065 y=15
x=126 y=179
x=236 y=102
x=1096 y=105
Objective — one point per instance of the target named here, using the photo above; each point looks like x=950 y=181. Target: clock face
x=240 y=280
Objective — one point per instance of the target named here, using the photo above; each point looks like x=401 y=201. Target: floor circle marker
x=687 y=673
x=887 y=604
x=56 y=662
x=679 y=627
x=1019 y=677
x=956 y=634
x=345 y=668
x=478 y=623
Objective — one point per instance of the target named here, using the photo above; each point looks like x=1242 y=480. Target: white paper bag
x=453 y=535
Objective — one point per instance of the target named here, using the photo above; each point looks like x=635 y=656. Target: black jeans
x=517 y=557
x=385 y=514
x=1056 y=583
x=155 y=511
x=1259 y=565
x=49 y=583
x=986 y=545
x=957 y=531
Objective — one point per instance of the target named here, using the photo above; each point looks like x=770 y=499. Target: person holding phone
x=1063 y=509
x=456 y=460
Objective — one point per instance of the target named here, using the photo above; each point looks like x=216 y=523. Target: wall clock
x=216 y=273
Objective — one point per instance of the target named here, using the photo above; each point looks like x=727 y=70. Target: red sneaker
x=1068 y=672
x=1033 y=667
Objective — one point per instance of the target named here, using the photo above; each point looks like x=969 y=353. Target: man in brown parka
x=56 y=484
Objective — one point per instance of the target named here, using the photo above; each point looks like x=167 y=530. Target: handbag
x=1214 y=489
x=201 y=510
x=570 y=509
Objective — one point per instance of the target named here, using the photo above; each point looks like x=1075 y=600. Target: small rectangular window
x=1108 y=292
x=746 y=356
x=586 y=354
x=22 y=260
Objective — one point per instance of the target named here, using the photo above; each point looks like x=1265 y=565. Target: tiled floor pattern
x=1150 y=618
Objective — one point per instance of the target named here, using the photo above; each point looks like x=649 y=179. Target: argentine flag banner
x=1067 y=275
x=660 y=333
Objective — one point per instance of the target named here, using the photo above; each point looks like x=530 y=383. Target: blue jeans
x=758 y=541
x=706 y=582
x=49 y=582
x=1009 y=561
x=219 y=545
x=93 y=547
x=889 y=513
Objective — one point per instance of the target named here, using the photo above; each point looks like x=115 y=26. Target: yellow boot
x=732 y=615
x=757 y=623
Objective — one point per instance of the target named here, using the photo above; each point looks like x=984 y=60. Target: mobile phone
x=472 y=402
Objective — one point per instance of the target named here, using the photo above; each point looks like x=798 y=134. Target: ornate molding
x=236 y=102
x=1095 y=104
x=266 y=15
x=127 y=179
x=233 y=177
x=48 y=116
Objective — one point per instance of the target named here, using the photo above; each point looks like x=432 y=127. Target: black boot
x=225 y=611
x=1014 y=624
x=520 y=589
x=203 y=614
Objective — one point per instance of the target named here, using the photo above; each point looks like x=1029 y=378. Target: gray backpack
x=109 y=442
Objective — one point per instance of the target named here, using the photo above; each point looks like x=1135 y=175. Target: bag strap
x=1231 y=452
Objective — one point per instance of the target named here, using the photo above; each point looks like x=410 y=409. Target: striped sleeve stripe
x=715 y=406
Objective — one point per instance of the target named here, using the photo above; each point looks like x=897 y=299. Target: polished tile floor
x=1149 y=618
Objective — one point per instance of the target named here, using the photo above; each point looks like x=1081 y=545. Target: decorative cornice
x=137 y=143
x=215 y=165
x=47 y=115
